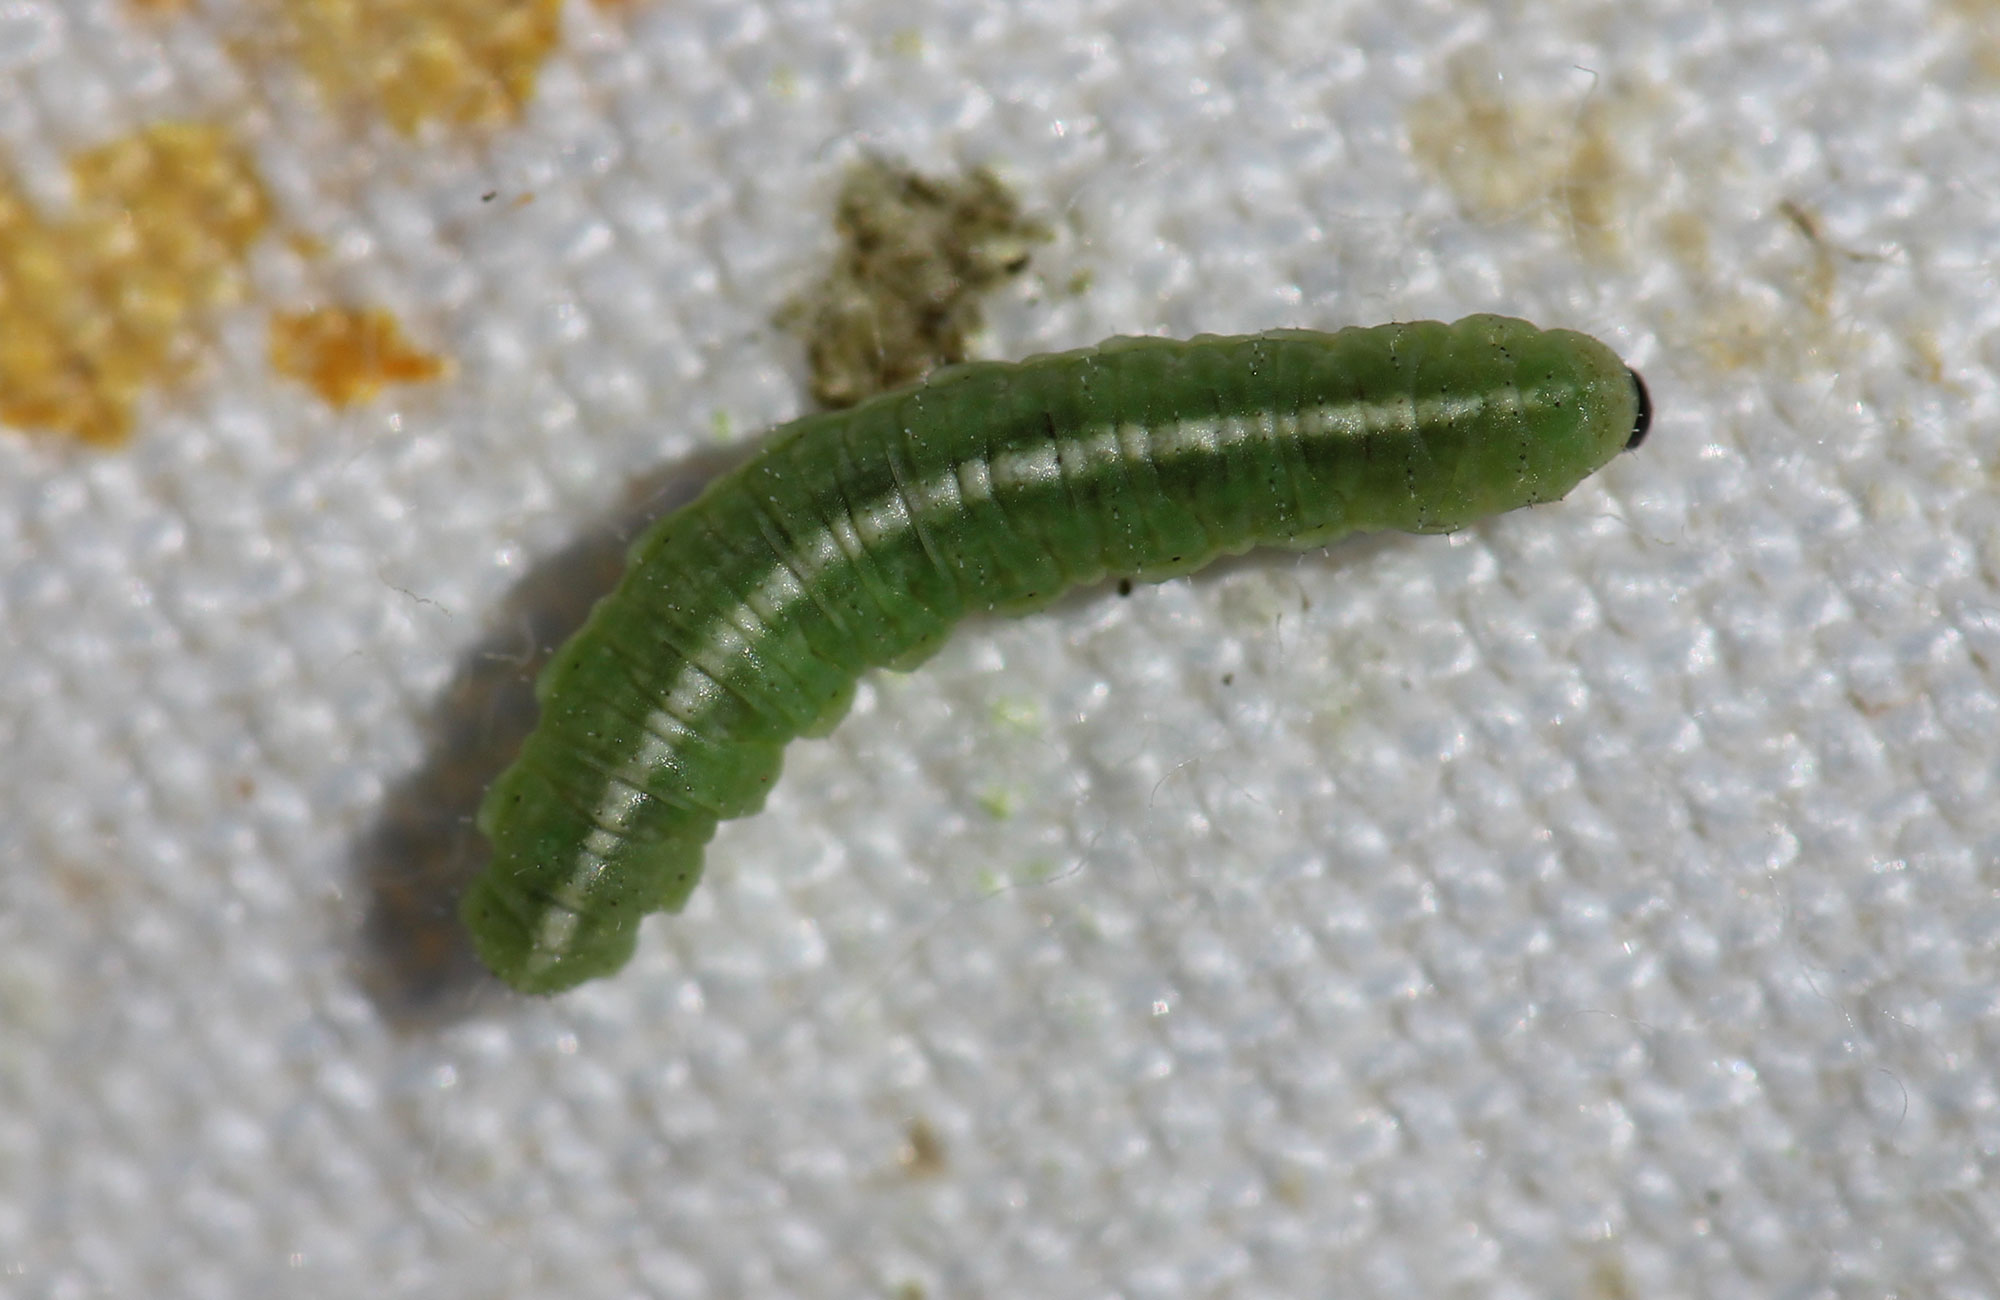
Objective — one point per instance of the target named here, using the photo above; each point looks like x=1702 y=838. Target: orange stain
x=113 y=298
x=348 y=354
x=466 y=62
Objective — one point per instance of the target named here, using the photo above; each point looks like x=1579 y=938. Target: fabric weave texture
x=1602 y=901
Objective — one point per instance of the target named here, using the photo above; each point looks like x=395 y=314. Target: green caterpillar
x=856 y=540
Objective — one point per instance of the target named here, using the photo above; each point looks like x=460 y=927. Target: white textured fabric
x=1604 y=901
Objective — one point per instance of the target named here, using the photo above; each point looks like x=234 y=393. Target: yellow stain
x=346 y=354
x=1685 y=235
x=1983 y=39
x=466 y=62
x=1789 y=322
x=112 y=299
x=1507 y=158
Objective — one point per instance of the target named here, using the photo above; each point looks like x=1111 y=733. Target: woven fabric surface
x=1603 y=901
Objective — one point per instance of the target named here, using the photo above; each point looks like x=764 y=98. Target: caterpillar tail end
x=555 y=952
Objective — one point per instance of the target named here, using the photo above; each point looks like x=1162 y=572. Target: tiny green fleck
x=1022 y=717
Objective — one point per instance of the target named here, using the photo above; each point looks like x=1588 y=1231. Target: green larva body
x=857 y=539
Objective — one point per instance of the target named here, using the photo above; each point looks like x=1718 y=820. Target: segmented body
x=857 y=539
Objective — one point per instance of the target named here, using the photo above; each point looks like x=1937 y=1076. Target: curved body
x=856 y=539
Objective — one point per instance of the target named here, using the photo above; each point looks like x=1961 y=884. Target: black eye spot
x=1644 y=421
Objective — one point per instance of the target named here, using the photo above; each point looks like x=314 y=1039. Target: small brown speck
x=922 y=1154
